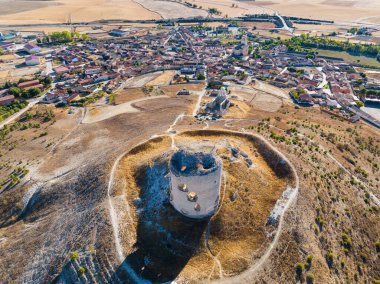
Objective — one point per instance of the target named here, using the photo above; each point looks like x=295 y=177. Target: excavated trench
x=168 y=245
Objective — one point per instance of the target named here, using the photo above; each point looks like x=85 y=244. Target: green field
x=366 y=61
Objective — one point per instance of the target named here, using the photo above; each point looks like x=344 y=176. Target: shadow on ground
x=165 y=239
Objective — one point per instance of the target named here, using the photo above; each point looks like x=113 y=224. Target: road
x=285 y=25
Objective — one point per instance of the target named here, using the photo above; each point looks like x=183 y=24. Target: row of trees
x=30 y=93
x=63 y=37
x=370 y=92
x=6 y=111
x=299 y=43
x=26 y=94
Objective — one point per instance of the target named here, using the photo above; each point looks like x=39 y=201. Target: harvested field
x=100 y=113
x=156 y=231
x=83 y=10
x=365 y=12
x=173 y=89
x=259 y=100
x=163 y=79
x=127 y=95
x=169 y=9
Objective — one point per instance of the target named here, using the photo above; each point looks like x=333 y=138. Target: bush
x=14 y=91
x=330 y=259
x=309 y=260
x=299 y=268
x=74 y=255
x=309 y=279
x=81 y=270
x=377 y=245
x=346 y=242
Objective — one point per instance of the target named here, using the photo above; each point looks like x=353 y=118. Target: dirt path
x=198 y=105
x=243 y=278
x=215 y=257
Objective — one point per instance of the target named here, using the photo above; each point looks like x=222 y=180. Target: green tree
x=14 y=91
x=359 y=104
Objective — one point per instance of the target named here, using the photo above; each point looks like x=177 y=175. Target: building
x=195 y=179
x=118 y=33
x=219 y=105
x=30 y=84
x=31 y=48
x=6 y=100
x=61 y=70
x=32 y=60
x=183 y=92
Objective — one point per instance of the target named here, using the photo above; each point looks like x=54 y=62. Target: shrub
x=309 y=260
x=74 y=255
x=330 y=259
x=299 y=268
x=81 y=270
x=377 y=245
x=346 y=242
x=309 y=279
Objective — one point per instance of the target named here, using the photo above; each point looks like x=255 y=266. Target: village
x=166 y=151
x=74 y=71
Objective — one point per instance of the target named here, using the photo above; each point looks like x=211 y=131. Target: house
x=92 y=71
x=32 y=60
x=305 y=99
x=9 y=36
x=31 y=48
x=71 y=98
x=50 y=98
x=7 y=46
x=118 y=32
x=30 y=84
x=183 y=92
x=61 y=70
x=6 y=100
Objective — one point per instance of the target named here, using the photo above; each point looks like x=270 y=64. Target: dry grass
x=163 y=79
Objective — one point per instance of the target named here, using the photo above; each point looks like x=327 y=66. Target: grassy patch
x=366 y=61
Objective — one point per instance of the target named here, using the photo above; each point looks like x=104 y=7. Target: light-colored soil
x=361 y=11
x=163 y=79
x=100 y=113
x=14 y=68
x=170 y=9
x=141 y=81
x=84 y=10
x=127 y=95
x=259 y=100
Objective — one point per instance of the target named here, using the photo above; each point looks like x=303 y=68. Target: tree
x=33 y=92
x=14 y=91
x=200 y=76
x=46 y=80
x=61 y=37
x=359 y=104
x=84 y=37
